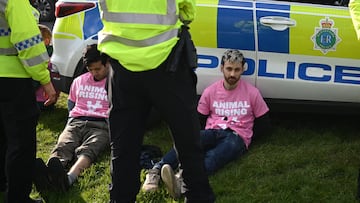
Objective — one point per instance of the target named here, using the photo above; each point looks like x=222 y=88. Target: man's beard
x=231 y=80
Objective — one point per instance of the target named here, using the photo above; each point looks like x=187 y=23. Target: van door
x=307 y=52
x=221 y=25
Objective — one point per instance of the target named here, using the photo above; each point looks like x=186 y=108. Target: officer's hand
x=50 y=94
x=186 y=12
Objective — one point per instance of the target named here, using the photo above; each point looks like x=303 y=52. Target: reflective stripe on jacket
x=141 y=34
x=22 y=50
x=354 y=8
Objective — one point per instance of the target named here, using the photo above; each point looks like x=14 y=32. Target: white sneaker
x=151 y=181
x=171 y=181
x=180 y=179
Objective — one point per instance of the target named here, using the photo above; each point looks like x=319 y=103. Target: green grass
x=307 y=158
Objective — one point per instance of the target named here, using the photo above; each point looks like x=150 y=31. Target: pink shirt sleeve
x=260 y=106
x=203 y=105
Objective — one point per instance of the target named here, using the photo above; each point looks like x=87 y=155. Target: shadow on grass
x=315 y=121
x=72 y=196
x=54 y=120
x=300 y=128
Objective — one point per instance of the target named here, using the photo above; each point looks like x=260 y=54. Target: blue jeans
x=220 y=146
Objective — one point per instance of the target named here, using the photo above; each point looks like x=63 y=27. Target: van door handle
x=277 y=22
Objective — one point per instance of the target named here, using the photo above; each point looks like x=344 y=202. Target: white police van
x=296 y=52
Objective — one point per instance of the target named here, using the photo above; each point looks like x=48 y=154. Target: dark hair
x=91 y=54
x=233 y=56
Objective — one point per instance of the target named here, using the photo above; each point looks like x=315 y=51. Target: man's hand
x=50 y=94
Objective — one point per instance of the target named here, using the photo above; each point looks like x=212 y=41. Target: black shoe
x=2 y=183
x=41 y=176
x=57 y=174
x=2 y=189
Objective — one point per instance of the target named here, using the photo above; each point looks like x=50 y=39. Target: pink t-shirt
x=235 y=109
x=89 y=96
x=40 y=92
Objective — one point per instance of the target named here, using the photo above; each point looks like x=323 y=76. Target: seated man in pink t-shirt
x=229 y=108
x=86 y=133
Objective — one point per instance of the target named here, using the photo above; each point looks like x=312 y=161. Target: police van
x=302 y=52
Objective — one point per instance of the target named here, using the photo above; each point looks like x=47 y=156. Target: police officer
x=354 y=8
x=23 y=57
x=140 y=36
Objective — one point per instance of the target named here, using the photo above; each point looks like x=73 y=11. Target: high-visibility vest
x=36 y=14
x=354 y=8
x=22 y=50
x=141 y=34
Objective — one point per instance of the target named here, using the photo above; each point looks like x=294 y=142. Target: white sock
x=71 y=178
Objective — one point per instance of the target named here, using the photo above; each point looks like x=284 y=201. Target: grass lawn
x=307 y=158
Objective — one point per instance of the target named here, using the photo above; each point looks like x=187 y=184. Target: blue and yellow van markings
x=92 y=17
x=204 y=28
x=235 y=26
x=326 y=37
x=308 y=18
x=224 y=24
x=78 y=25
x=72 y=25
x=64 y=36
x=271 y=40
x=230 y=24
x=275 y=7
x=235 y=4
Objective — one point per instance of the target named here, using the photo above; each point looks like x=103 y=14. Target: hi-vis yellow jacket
x=141 y=34
x=354 y=8
x=22 y=51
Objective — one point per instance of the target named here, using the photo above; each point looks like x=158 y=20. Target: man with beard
x=232 y=112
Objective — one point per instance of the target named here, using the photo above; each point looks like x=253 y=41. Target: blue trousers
x=220 y=146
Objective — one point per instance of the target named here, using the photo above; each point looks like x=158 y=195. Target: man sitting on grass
x=229 y=109
x=86 y=134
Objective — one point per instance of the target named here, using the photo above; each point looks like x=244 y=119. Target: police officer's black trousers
x=173 y=95
x=18 y=119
